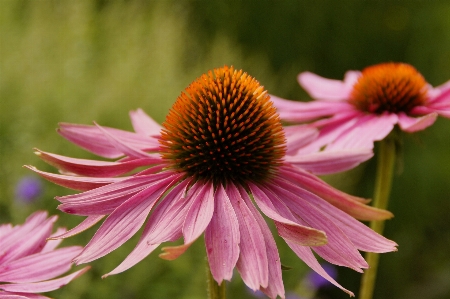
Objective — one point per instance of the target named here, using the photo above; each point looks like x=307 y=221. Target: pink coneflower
x=220 y=151
x=367 y=105
x=29 y=264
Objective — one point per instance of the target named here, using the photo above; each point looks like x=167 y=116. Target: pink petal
x=52 y=244
x=39 y=266
x=144 y=124
x=93 y=139
x=87 y=223
x=295 y=111
x=200 y=212
x=308 y=257
x=275 y=284
x=252 y=263
x=339 y=250
x=287 y=227
x=414 y=124
x=361 y=236
x=222 y=238
x=94 y=168
x=74 y=182
x=345 y=202
x=123 y=146
x=124 y=222
x=18 y=295
x=324 y=89
x=36 y=237
x=163 y=225
x=45 y=286
x=365 y=132
x=328 y=162
x=298 y=136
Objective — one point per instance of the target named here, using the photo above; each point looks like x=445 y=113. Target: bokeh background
x=80 y=61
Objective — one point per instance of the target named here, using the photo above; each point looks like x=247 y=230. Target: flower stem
x=215 y=291
x=383 y=182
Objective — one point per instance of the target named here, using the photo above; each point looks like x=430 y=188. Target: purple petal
x=144 y=124
x=253 y=261
x=45 y=286
x=324 y=89
x=222 y=238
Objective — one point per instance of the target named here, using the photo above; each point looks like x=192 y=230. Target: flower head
x=29 y=263
x=366 y=105
x=221 y=145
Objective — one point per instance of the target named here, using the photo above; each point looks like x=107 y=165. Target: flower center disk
x=391 y=87
x=223 y=128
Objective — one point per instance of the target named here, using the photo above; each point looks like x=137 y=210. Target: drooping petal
x=275 y=284
x=365 y=132
x=124 y=222
x=328 y=162
x=345 y=202
x=324 y=89
x=305 y=254
x=298 y=136
x=201 y=209
x=19 y=295
x=306 y=111
x=144 y=124
x=93 y=139
x=123 y=146
x=163 y=225
x=288 y=228
x=252 y=263
x=359 y=234
x=94 y=168
x=84 y=225
x=414 y=124
x=44 y=286
x=74 y=182
x=222 y=238
x=339 y=250
x=39 y=266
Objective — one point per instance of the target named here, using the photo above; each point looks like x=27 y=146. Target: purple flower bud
x=28 y=189
x=317 y=281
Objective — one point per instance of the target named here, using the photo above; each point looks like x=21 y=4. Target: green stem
x=385 y=171
x=215 y=291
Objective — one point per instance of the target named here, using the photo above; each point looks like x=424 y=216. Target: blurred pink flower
x=29 y=263
x=221 y=145
x=365 y=106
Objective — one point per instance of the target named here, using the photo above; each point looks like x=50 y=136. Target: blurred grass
x=80 y=61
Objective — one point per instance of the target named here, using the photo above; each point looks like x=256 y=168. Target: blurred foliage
x=80 y=61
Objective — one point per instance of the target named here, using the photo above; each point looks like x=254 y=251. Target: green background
x=80 y=61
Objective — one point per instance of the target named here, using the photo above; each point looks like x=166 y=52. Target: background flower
x=28 y=189
x=366 y=106
x=29 y=263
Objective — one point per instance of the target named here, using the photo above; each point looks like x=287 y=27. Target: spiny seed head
x=391 y=87
x=223 y=128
